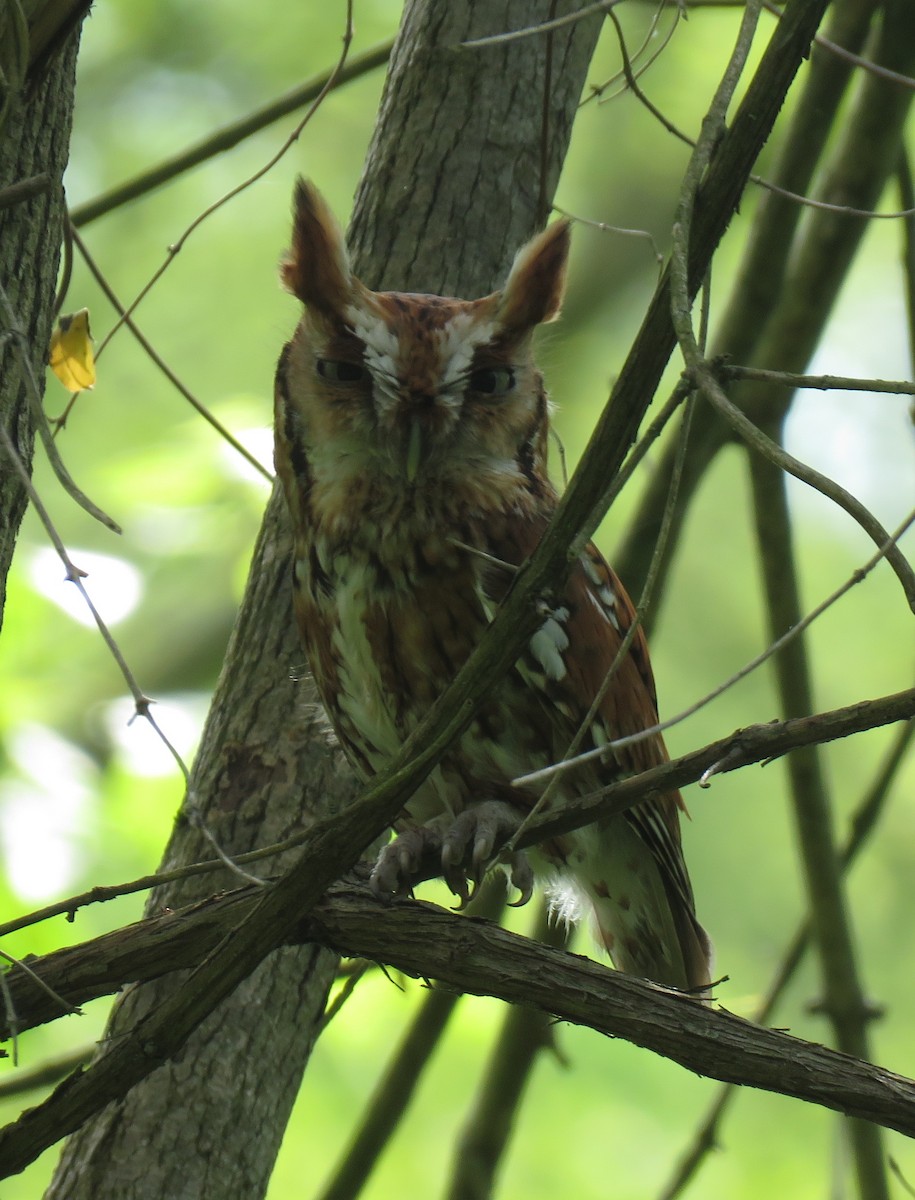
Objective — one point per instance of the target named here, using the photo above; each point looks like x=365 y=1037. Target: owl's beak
x=414 y=449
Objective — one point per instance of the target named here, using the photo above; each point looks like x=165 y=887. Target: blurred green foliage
x=87 y=799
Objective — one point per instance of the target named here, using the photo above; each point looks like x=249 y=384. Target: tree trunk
x=34 y=140
x=452 y=186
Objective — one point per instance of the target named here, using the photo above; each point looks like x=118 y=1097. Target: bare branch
x=862 y=824
x=477 y=957
x=231 y=135
x=770 y=450
x=15 y=332
x=569 y=763
x=498 y=39
x=46 y=1073
x=23 y=190
x=753 y=744
x=821 y=383
x=163 y=366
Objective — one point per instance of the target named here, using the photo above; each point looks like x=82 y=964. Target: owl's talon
x=456 y=879
x=405 y=861
x=522 y=878
x=460 y=850
x=471 y=844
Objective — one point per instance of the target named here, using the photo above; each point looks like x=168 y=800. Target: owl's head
x=416 y=392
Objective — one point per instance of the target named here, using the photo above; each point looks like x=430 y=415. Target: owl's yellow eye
x=340 y=372
x=493 y=381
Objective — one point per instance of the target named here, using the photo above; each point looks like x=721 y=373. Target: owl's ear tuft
x=536 y=283
x=317 y=267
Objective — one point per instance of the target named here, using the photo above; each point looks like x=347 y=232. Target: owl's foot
x=471 y=845
x=460 y=849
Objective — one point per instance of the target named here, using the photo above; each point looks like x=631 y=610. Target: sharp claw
x=457 y=882
x=522 y=877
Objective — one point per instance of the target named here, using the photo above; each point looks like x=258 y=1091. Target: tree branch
x=474 y=956
x=229 y=136
x=161 y=944
x=861 y=825
x=753 y=743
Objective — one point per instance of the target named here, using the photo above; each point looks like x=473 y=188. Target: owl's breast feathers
x=389 y=616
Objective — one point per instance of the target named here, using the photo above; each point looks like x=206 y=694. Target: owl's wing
x=570 y=662
x=600 y=615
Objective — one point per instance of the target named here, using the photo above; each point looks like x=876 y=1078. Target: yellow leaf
x=72 y=359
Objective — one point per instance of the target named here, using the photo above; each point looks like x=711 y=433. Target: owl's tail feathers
x=697 y=951
x=640 y=900
x=645 y=915
x=670 y=948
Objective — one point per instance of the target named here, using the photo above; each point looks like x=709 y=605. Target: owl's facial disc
x=420 y=353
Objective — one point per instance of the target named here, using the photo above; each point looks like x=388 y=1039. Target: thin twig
x=637 y=455
x=75 y=575
x=229 y=136
x=499 y=39
x=45 y=1074
x=769 y=449
x=900 y=1178
x=633 y=85
x=24 y=189
x=907 y=195
x=345 y=994
x=823 y=383
x=862 y=824
x=605 y=228
x=177 y=246
x=844 y=210
x=142 y=702
x=20 y=339
x=597 y=90
x=166 y=370
x=9 y=1006
x=101 y=894
x=866 y=64
x=56 y=997
x=773 y=648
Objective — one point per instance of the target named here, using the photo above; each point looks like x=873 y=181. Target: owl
x=411 y=442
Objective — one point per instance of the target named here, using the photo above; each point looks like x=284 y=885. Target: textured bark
x=171 y=940
x=475 y=956
x=457 y=148
x=34 y=141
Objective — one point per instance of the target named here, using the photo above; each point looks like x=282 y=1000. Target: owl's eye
x=340 y=372
x=493 y=381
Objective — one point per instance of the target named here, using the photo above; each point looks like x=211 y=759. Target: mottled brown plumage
x=411 y=437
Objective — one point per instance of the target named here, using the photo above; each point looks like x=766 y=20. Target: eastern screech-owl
x=411 y=439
